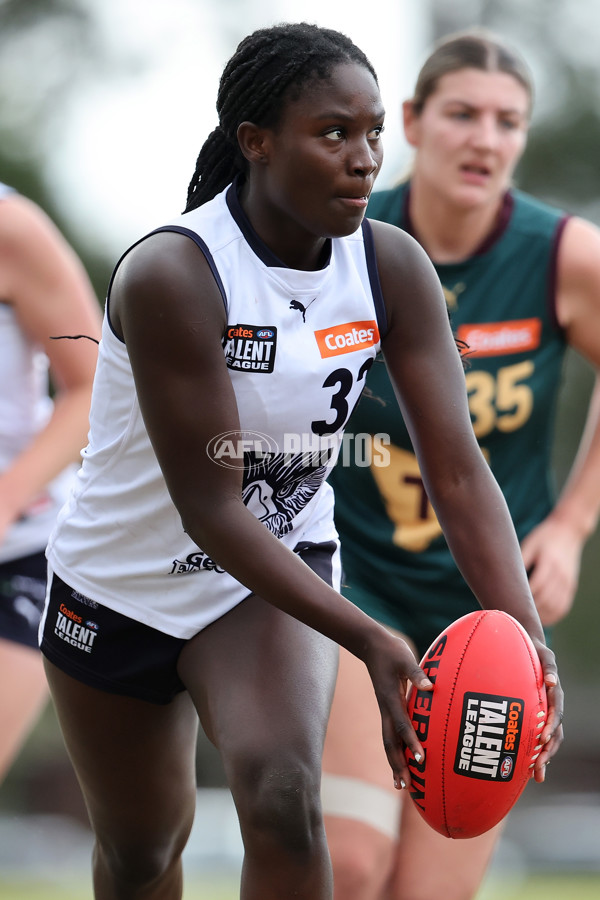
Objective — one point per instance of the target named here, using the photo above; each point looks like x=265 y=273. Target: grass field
x=551 y=887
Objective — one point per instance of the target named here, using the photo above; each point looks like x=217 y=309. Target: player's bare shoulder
x=166 y=272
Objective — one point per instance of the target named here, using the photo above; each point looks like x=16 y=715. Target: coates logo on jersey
x=250 y=348
x=501 y=338
x=347 y=338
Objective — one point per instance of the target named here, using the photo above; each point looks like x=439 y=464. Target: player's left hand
x=552 y=556
x=392 y=666
x=552 y=735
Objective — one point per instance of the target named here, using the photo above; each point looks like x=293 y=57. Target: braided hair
x=269 y=67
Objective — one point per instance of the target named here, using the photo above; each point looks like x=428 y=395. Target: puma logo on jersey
x=452 y=294
x=347 y=338
x=500 y=338
x=295 y=304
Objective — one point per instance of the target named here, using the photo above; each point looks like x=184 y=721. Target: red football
x=480 y=725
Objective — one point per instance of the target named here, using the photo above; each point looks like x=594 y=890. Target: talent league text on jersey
x=251 y=347
x=298 y=346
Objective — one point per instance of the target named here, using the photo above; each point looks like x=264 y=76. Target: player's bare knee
x=360 y=864
x=281 y=806
x=139 y=859
x=353 y=873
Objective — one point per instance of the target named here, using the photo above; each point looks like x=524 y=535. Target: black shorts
x=22 y=592
x=112 y=652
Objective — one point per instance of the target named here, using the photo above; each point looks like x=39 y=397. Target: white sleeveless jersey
x=298 y=345
x=25 y=407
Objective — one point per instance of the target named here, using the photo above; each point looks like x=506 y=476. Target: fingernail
x=402 y=784
x=418 y=757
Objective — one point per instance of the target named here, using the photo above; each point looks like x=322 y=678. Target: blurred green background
x=53 y=56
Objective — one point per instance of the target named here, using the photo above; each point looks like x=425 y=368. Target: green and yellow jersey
x=397 y=565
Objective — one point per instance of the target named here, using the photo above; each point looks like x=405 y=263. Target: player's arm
x=43 y=280
x=166 y=304
x=426 y=370
x=552 y=551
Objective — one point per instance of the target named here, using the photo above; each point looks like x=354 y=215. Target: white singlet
x=298 y=345
x=25 y=407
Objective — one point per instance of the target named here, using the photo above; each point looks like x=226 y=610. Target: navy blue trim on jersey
x=319 y=557
x=200 y=243
x=252 y=239
x=178 y=229
x=371 y=257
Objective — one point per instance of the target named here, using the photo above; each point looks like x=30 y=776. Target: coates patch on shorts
x=347 y=338
x=251 y=348
x=74 y=629
x=501 y=338
x=488 y=740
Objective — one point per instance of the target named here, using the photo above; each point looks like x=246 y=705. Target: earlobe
x=253 y=142
x=411 y=123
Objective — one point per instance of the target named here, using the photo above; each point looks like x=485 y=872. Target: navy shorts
x=22 y=592
x=112 y=652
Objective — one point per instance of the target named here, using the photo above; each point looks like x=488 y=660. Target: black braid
x=269 y=67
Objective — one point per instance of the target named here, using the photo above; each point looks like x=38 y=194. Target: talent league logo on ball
x=489 y=736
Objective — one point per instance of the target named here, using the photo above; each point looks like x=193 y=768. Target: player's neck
x=449 y=232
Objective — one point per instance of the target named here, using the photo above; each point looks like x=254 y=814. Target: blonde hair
x=472 y=49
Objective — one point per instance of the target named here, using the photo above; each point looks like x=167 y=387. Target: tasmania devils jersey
x=297 y=346
x=501 y=302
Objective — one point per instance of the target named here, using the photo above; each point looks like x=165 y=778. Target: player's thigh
x=23 y=694
x=135 y=760
x=262 y=682
x=459 y=868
